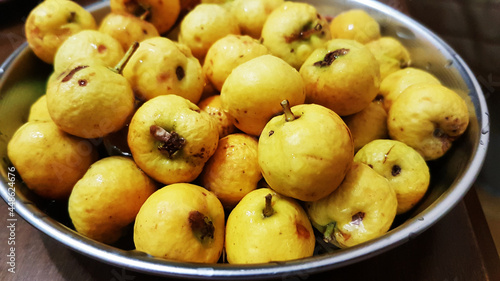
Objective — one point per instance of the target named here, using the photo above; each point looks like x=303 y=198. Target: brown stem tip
x=304 y=34
x=287 y=110
x=201 y=225
x=331 y=57
x=171 y=142
x=268 y=209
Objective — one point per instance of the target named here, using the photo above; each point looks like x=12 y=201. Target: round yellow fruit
x=227 y=53
x=233 y=170
x=395 y=83
x=293 y=30
x=355 y=24
x=51 y=22
x=390 y=53
x=171 y=139
x=404 y=168
x=108 y=197
x=343 y=75
x=253 y=91
x=39 y=110
x=204 y=25
x=182 y=222
x=88 y=46
x=127 y=29
x=428 y=117
x=307 y=157
x=252 y=14
x=268 y=227
x=161 y=13
x=161 y=66
x=90 y=101
x=48 y=160
x=361 y=209
x=224 y=122
x=368 y=124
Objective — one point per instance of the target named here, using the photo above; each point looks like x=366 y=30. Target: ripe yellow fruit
x=268 y=227
x=252 y=14
x=362 y=208
x=293 y=31
x=395 y=83
x=204 y=25
x=171 y=139
x=90 y=101
x=51 y=22
x=88 y=46
x=342 y=75
x=182 y=222
x=212 y=105
x=162 y=13
x=61 y=159
x=253 y=91
x=428 y=117
x=227 y=53
x=306 y=157
x=355 y=24
x=127 y=28
x=161 y=66
x=39 y=110
x=108 y=197
x=233 y=170
x=367 y=125
x=404 y=168
x=390 y=53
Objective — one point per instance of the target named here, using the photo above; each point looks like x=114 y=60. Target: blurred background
x=471 y=27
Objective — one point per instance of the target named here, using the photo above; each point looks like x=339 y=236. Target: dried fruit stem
x=144 y=15
x=202 y=226
x=331 y=57
x=288 y=112
x=305 y=34
x=121 y=64
x=268 y=209
x=171 y=141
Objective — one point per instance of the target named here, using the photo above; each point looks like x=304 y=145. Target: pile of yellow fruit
x=234 y=127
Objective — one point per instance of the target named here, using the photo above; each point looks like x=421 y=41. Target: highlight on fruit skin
x=355 y=24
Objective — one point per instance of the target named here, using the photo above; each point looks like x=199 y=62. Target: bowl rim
x=141 y=262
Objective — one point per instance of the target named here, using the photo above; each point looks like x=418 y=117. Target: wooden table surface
x=458 y=247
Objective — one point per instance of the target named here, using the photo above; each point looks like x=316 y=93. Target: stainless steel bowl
x=22 y=80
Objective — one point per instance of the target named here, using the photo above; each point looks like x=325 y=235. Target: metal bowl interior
x=23 y=78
